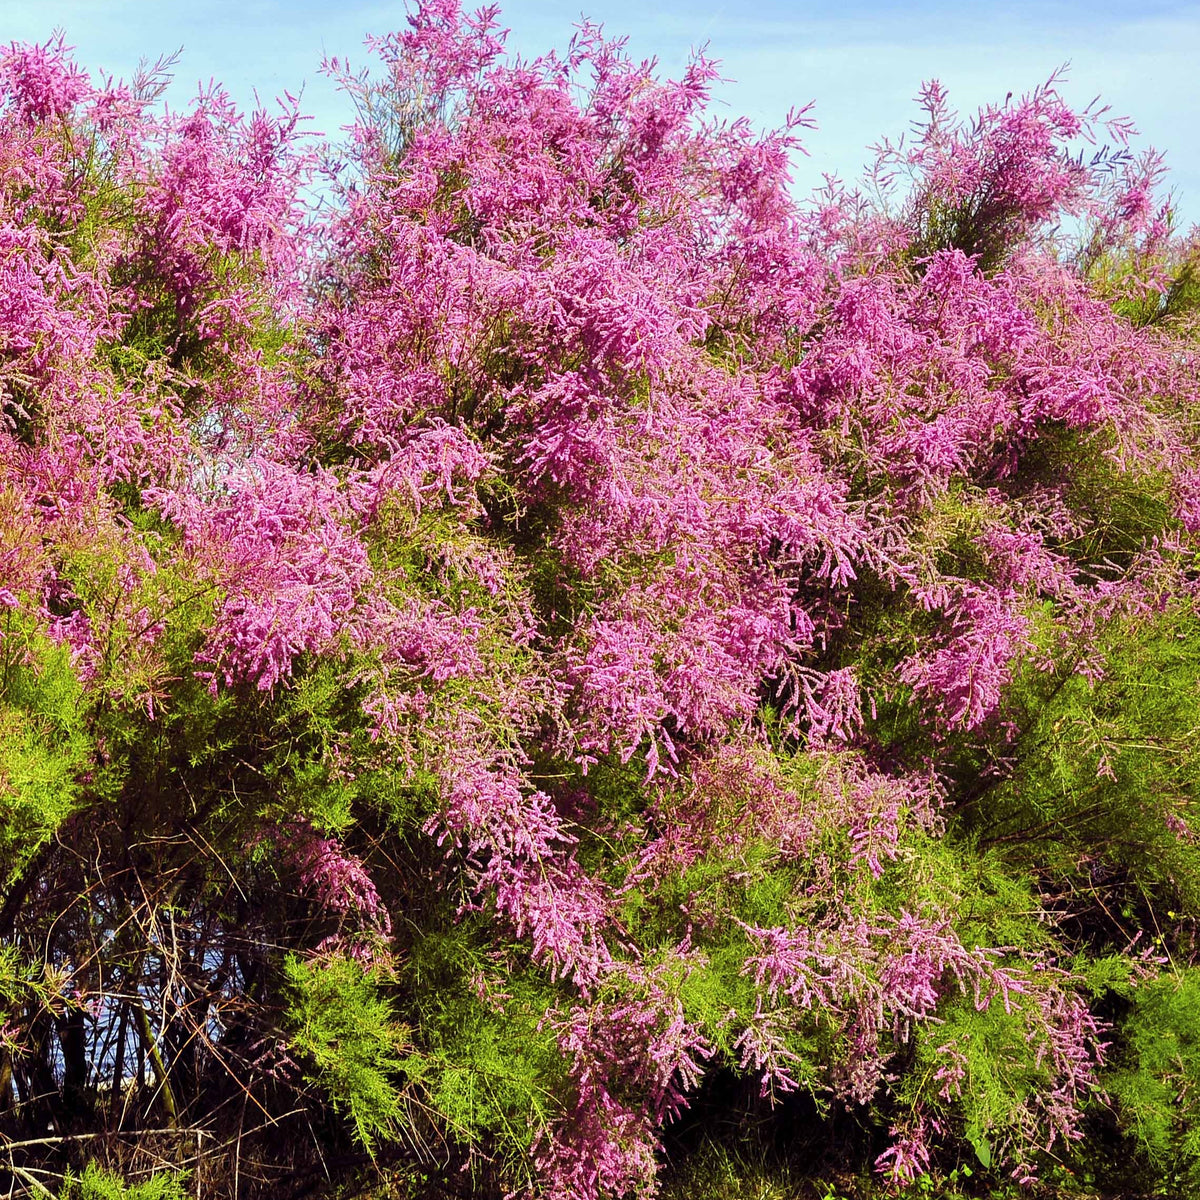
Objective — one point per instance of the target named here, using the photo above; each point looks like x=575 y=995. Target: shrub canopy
x=563 y=656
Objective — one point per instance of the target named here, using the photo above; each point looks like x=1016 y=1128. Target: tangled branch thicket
x=566 y=670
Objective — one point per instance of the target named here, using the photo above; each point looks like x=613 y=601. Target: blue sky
x=860 y=62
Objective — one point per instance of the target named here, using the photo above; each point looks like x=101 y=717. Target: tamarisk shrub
x=570 y=622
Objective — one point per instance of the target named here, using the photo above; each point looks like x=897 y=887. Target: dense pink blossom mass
x=679 y=543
